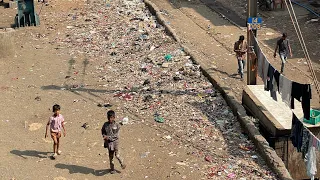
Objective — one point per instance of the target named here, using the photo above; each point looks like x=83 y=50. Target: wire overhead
x=302 y=43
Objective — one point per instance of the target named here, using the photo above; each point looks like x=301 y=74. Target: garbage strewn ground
x=115 y=55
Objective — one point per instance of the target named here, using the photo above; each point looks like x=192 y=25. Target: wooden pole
x=252 y=12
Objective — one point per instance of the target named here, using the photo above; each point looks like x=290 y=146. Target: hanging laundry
x=311 y=160
x=296 y=132
x=269 y=84
x=276 y=76
x=285 y=89
x=261 y=60
x=265 y=71
x=302 y=93
x=305 y=142
x=259 y=52
x=318 y=145
x=314 y=141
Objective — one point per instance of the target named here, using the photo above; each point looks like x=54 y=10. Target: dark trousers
x=113 y=153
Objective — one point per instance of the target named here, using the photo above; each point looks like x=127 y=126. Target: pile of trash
x=142 y=68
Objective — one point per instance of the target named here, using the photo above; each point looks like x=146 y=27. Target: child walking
x=110 y=134
x=56 y=123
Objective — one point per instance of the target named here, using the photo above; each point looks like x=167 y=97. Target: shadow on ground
x=73 y=169
x=30 y=153
x=139 y=90
x=234 y=75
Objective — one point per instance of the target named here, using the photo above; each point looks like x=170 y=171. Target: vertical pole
x=252 y=12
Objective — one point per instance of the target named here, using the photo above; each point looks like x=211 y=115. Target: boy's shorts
x=56 y=134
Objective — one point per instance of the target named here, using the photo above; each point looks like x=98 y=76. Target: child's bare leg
x=117 y=154
x=58 y=143
x=55 y=142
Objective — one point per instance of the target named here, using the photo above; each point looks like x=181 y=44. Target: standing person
x=240 y=48
x=56 y=123
x=110 y=134
x=284 y=50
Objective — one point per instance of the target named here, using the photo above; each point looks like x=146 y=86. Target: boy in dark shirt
x=284 y=50
x=110 y=134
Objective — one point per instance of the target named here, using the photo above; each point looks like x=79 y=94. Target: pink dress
x=56 y=123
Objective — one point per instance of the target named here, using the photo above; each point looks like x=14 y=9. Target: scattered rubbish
x=40 y=160
x=311 y=20
x=38 y=98
x=135 y=62
x=146 y=82
x=128 y=97
x=152 y=48
x=177 y=78
x=144 y=155
x=104 y=105
x=168 y=57
x=165 y=65
x=125 y=121
x=181 y=163
x=147 y=98
x=158 y=118
x=245 y=148
x=208 y=158
x=85 y=126
x=231 y=175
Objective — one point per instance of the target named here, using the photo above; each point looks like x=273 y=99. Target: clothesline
x=301 y=137
x=256 y=41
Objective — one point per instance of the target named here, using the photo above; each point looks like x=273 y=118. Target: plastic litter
x=125 y=121
x=158 y=118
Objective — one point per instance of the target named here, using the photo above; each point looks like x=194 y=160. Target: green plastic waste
x=159 y=119
x=168 y=57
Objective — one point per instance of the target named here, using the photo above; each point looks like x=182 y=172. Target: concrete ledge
x=270 y=156
x=251 y=102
